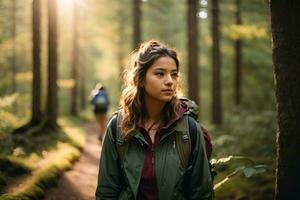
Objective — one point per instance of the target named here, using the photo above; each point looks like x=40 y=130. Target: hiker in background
x=140 y=158
x=100 y=103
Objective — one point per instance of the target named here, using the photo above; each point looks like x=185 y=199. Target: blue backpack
x=100 y=101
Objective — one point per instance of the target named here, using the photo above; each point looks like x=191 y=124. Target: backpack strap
x=186 y=141
x=114 y=127
x=121 y=145
x=193 y=132
x=183 y=142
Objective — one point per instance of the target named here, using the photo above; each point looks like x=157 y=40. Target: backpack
x=100 y=101
x=185 y=141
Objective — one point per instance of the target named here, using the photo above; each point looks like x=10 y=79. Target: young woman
x=151 y=111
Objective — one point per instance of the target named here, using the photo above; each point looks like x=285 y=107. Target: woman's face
x=161 y=80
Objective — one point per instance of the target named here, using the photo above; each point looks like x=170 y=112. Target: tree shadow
x=65 y=189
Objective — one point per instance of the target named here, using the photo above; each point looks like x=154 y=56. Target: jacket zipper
x=152 y=154
x=152 y=159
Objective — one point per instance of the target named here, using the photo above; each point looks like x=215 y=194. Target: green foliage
x=240 y=177
x=163 y=12
x=248 y=168
x=260 y=186
x=250 y=171
x=244 y=32
x=7 y=102
x=13 y=110
x=253 y=132
x=8 y=120
x=5 y=81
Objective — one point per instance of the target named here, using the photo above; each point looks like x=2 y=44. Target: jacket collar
x=181 y=109
x=169 y=126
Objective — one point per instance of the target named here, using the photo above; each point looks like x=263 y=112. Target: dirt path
x=80 y=182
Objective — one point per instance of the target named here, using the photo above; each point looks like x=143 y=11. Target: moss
x=2 y=180
x=9 y=197
x=65 y=145
x=14 y=166
x=75 y=134
x=48 y=175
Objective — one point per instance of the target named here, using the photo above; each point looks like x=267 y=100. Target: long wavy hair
x=132 y=99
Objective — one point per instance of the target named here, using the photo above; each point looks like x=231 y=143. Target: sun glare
x=65 y=5
x=202 y=14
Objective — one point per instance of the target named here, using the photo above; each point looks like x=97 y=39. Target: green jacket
x=120 y=180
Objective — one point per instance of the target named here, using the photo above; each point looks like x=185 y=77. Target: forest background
x=104 y=42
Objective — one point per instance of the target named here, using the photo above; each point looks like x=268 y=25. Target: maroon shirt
x=148 y=189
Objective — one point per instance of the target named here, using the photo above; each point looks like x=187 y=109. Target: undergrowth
x=55 y=149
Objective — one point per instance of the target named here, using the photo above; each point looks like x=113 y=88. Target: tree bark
x=52 y=101
x=74 y=66
x=82 y=70
x=285 y=23
x=82 y=81
x=136 y=22
x=82 y=85
x=238 y=58
x=36 y=114
x=13 y=56
x=120 y=54
x=193 y=73
x=36 y=81
x=216 y=66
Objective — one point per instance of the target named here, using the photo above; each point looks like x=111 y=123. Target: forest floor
x=80 y=182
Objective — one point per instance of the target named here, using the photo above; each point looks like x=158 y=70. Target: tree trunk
x=193 y=74
x=285 y=23
x=13 y=56
x=82 y=89
x=74 y=66
x=136 y=23
x=36 y=82
x=82 y=71
x=216 y=66
x=52 y=102
x=36 y=114
x=120 y=54
x=238 y=58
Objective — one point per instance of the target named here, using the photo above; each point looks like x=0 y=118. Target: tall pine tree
x=136 y=12
x=285 y=23
x=216 y=65
x=75 y=62
x=52 y=100
x=192 y=28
